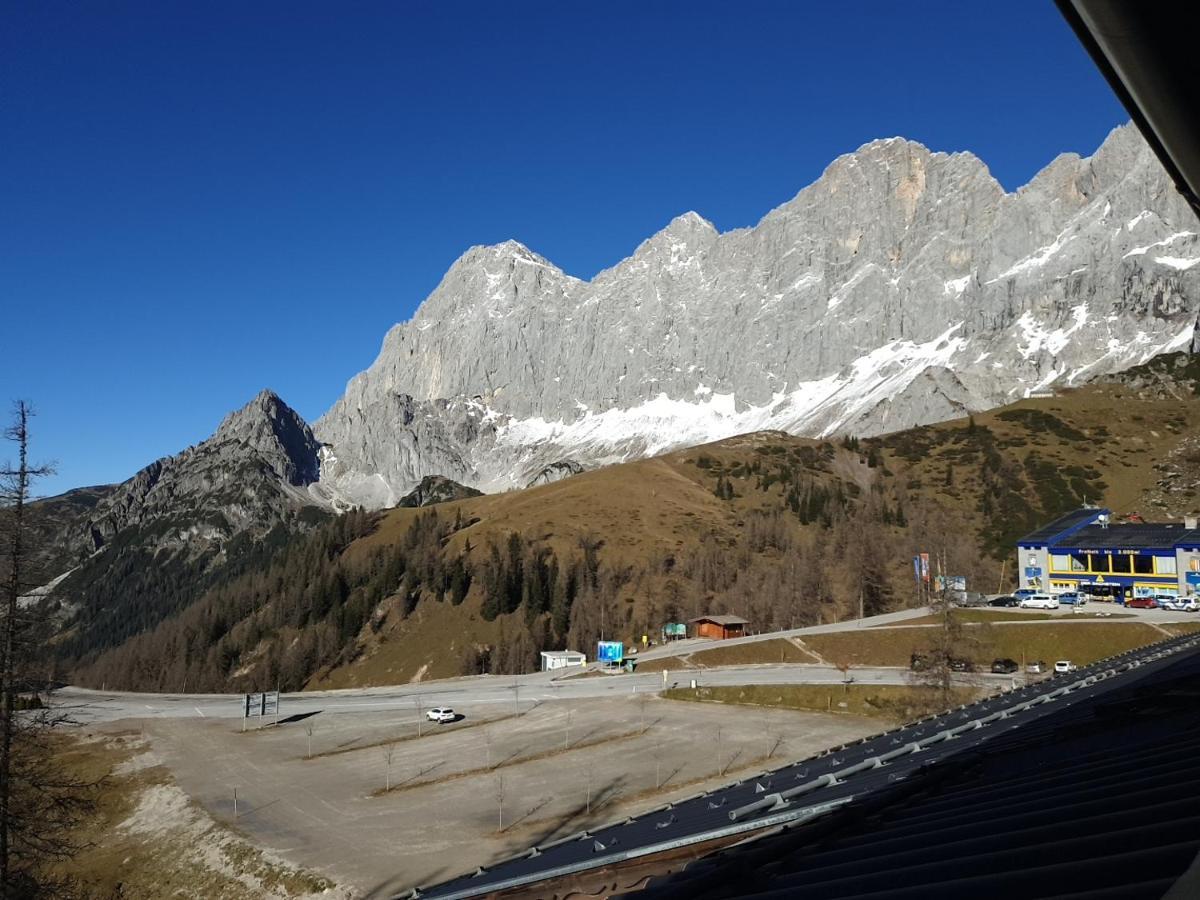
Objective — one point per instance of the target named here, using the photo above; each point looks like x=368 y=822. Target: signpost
x=610 y=653
x=264 y=704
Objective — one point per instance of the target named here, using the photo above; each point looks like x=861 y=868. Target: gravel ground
x=443 y=815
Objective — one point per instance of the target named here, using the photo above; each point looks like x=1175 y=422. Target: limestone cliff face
x=902 y=287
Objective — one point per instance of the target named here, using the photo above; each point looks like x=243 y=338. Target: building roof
x=722 y=620
x=561 y=654
x=1078 y=530
x=1131 y=536
x=1062 y=525
x=1075 y=783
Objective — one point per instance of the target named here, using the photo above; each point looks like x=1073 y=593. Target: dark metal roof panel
x=1048 y=533
x=1101 y=798
x=1126 y=537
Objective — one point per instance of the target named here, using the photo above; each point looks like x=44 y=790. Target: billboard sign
x=260 y=704
x=675 y=629
x=610 y=651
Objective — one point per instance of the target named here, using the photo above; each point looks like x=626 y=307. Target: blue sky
x=200 y=200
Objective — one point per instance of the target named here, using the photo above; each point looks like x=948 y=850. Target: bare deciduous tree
x=39 y=801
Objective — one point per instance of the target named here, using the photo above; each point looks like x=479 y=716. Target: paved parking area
x=540 y=770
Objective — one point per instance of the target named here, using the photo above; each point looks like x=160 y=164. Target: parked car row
x=1027 y=598
x=1000 y=666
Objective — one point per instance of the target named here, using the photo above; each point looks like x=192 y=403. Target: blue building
x=1085 y=551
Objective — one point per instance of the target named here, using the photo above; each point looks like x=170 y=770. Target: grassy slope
x=889 y=701
x=1080 y=642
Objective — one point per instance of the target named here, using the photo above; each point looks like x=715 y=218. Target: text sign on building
x=1192 y=577
x=260 y=704
x=610 y=651
x=1033 y=571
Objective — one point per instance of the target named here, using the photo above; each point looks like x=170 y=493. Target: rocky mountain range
x=903 y=287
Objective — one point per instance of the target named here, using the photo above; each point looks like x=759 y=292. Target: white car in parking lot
x=440 y=714
x=1178 y=604
x=1039 y=601
x=1063 y=666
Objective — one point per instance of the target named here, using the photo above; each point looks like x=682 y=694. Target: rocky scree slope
x=903 y=287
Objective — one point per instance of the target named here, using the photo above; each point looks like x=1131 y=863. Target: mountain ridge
x=897 y=261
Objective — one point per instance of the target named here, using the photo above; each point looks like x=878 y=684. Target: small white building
x=561 y=659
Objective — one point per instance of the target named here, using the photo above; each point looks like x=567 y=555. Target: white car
x=440 y=714
x=1039 y=601
x=1063 y=666
x=1177 y=604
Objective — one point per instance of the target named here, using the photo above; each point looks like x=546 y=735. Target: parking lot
x=468 y=794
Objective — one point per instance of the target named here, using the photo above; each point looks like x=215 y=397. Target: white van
x=1039 y=601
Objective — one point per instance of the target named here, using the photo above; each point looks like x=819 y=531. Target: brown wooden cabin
x=719 y=627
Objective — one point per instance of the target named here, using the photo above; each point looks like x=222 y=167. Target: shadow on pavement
x=299 y=717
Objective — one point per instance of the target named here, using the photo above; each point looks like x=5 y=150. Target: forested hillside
x=782 y=530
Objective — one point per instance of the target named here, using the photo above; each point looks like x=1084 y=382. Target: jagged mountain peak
x=892 y=146
x=488 y=256
x=690 y=222
x=272 y=428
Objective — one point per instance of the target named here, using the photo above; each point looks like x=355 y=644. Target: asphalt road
x=465 y=694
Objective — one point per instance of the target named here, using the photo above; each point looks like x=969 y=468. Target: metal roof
x=1126 y=537
x=562 y=654
x=722 y=620
x=1099 y=799
x=1072 y=520
x=857 y=774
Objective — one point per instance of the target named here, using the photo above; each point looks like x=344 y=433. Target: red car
x=1142 y=603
